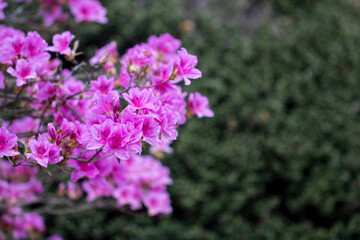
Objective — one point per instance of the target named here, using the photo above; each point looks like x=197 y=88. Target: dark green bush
x=280 y=160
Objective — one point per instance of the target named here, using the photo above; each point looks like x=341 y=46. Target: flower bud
x=52 y=131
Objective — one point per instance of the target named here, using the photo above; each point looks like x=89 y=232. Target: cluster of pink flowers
x=140 y=179
x=54 y=11
x=62 y=119
x=19 y=186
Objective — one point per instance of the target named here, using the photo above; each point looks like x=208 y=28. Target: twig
x=16 y=98
x=74 y=112
x=92 y=159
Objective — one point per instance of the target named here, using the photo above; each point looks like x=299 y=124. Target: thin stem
x=92 y=159
x=75 y=112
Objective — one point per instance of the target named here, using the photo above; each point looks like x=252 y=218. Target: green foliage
x=280 y=160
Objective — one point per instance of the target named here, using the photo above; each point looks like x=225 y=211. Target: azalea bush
x=77 y=135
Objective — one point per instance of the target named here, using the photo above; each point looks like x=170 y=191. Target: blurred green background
x=280 y=160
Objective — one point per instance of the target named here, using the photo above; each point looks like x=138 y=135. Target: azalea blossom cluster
x=19 y=186
x=89 y=123
x=58 y=11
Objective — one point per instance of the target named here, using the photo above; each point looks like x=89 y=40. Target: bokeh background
x=280 y=160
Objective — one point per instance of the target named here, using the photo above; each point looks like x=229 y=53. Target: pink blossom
x=185 y=67
x=94 y=192
x=61 y=43
x=72 y=86
x=26 y=124
x=13 y=47
x=163 y=147
x=2 y=6
x=46 y=91
x=157 y=203
x=53 y=14
x=151 y=130
x=121 y=143
x=160 y=77
x=10 y=32
x=73 y=190
x=107 y=103
x=128 y=195
x=34 y=222
x=124 y=79
x=175 y=103
x=88 y=11
x=199 y=105
x=165 y=43
x=8 y=142
x=140 y=99
x=107 y=53
x=100 y=133
x=83 y=169
x=168 y=123
x=137 y=57
x=35 y=48
x=44 y=152
x=24 y=70
x=39 y=150
x=54 y=154
x=103 y=84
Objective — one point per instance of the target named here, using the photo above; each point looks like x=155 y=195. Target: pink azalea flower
x=61 y=43
x=34 y=222
x=10 y=32
x=35 y=47
x=158 y=203
x=2 y=82
x=121 y=144
x=73 y=190
x=151 y=130
x=72 y=86
x=175 y=103
x=44 y=152
x=39 y=150
x=128 y=195
x=163 y=147
x=107 y=103
x=46 y=91
x=13 y=47
x=160 y=77
x=54 y=154
x=2 y=6
x=94 y=192
x=137 y=57
x=7 y=143
x=165 y=43
x=168 y=123
x=24 y=70
x=26 y=124
x=88 y=11
x=53 y=14
x=103 y=84
x=83 y=169
x=100 y=133
x=108 y=52
x=199 y=105
x=140 y=99
x=124 y=79
x=185 y=67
